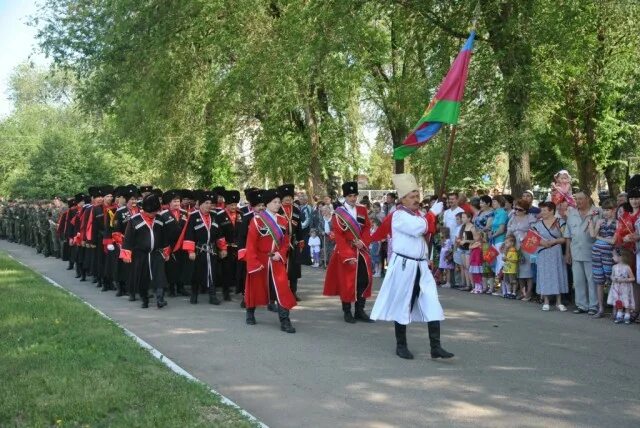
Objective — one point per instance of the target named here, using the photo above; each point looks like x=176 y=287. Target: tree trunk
x=398 y=134
x=316 y=184
x=519 y=173
x=615 y=174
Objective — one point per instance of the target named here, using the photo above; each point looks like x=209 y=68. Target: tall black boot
x=78 y=270
x=106 y=284
x=144 y=296
x=172 y=290
x=402 y=350
x=360 y=314
x=194 y=295
x=132 y=293
x=70 y=267
x=213 y=299
x=251 y=316
x=434 y=341
x=83 y=276
x=161 y=303
x=95 y=281
x=346 y=308
x=285 y=322
x=120 y=289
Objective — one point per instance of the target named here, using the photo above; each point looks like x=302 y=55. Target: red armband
x=189 y=246
x=166 y=252
x=242 y=253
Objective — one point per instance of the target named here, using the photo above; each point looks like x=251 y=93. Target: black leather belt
x=410 y=258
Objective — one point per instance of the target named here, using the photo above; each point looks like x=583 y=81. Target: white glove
x=437 y=208
x=110 y=247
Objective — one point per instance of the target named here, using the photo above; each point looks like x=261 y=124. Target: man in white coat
x=408 y=293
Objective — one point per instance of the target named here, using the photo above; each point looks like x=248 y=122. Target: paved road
x=514 y=365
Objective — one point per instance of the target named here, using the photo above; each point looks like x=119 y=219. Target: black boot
x=285 y=322
x=346 y=308
x=360 y=314
x=78 y=271
x=95 y=280
x=70 y=267
x=402 y=350
x=434 y=341
x=132 y=295
x=120 y=289
x=194 y=298
x=172 y=290
x=145 y=303
x=213 y=299
x=84 y=276
x=251 y=316
x=160 y=302
x=242 y=303
x=227 y=296
x=106 y=285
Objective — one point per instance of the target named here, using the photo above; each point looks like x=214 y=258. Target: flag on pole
x=444 y=107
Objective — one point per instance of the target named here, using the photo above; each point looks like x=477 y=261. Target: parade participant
x=266 y=255
x=122 y=217
x=110 y=257
x=230 y=222
x=146 y=247
x=84 y=260
x=349 y=271
x=291 y=212
x=202 y=240
x=94 y=232
x=255 y=204
x=174 y=219
x=408 y=293
x=61 y=231
x=73 y=227
x=218 y=202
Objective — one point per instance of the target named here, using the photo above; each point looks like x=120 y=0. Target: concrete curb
x=153 y=351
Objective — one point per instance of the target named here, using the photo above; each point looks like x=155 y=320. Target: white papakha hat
x=404 y=184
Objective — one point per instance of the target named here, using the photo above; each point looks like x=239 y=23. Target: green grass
x=61 y=364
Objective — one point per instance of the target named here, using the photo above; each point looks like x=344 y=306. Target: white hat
x=404 y=184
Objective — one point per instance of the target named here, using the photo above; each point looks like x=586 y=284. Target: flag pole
x=452 y=136
x=447 y=161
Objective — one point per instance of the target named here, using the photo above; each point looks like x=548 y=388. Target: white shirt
x=314 y=243
x=352 y=210
x=449 y=220
x=408 y=235
x=327 y=225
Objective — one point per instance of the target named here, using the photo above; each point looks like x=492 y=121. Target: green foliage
x=251 y=92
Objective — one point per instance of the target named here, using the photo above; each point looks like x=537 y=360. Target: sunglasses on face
x=519 y=209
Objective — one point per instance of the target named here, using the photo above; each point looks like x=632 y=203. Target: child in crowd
x=487 y=270
x=314 y=246
x=374 y=252
x=622 y=279
x=510 y=268
x=475 y=262
x=446 y=256
x=603 y=230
